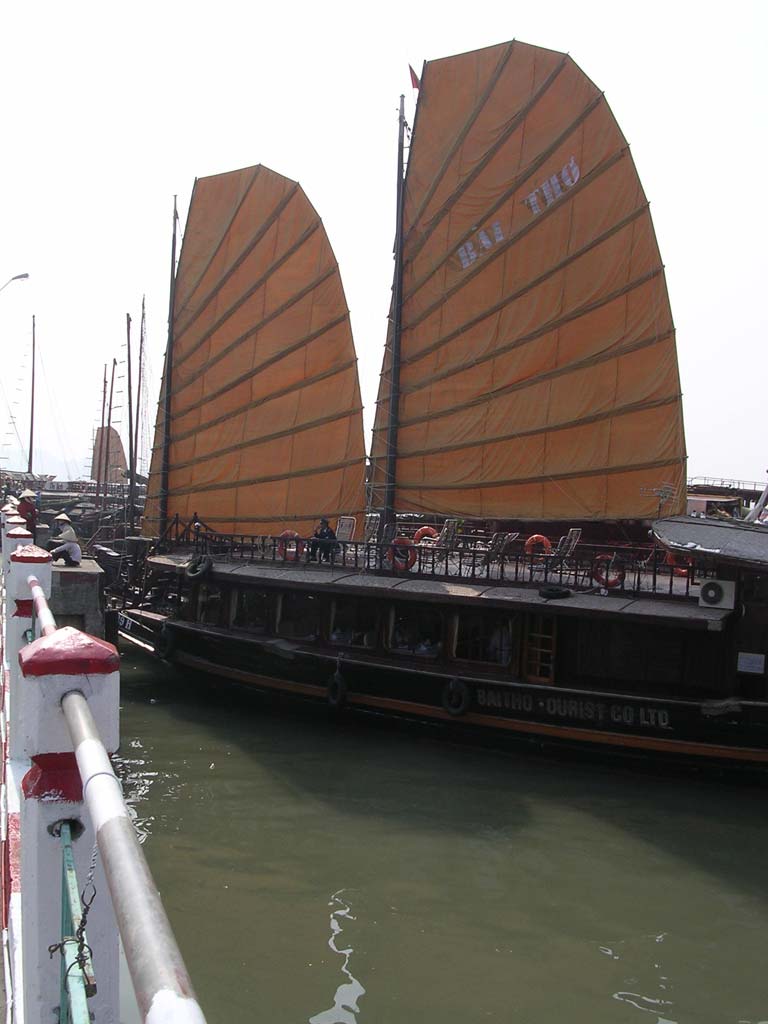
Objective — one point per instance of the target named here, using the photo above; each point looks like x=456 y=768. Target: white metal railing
x=62 y=694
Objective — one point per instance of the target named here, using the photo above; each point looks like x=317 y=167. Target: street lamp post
x=16 y=277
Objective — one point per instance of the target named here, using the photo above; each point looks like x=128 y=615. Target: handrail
x=162 y=985
x=42 y=611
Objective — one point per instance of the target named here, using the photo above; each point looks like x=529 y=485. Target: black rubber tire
x=456 y=697
x=198 y=567
x=549 y=593
x=337 y=691
x=165 y=643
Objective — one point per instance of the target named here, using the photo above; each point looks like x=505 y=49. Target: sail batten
x=184 y=323
x=253 y=290
x=537 y=375
x=265 y=417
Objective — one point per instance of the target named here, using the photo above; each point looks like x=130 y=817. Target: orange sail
x=265 y=428
x=538 y=375
x=108 y=463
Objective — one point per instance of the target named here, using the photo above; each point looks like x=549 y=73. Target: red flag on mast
x=414 y=78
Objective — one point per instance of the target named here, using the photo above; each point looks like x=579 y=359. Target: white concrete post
x=13 y=536
x=24 y=562
x=45 y=788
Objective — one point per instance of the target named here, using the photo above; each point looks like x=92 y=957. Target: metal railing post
x=163 y=988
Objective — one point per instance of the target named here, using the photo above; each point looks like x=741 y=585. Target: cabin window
x=209 y=604
x=416 y=631
x=251 y=610
x=540 y=649
x=487 y=636
x=299 y=616
x=353 y=623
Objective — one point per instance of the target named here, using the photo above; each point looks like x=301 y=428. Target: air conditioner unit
x=717 y=594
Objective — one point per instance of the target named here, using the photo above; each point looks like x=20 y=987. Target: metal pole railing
x=162 y=985
x=42 y=611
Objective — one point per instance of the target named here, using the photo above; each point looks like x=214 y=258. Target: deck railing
x=620 y=568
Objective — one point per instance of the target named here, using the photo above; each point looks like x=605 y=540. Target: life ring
x=198 y=567
x=606 y=573
x=165 y=643
x=538 y=538
x=679 y=563
x=284 y=550
x=337 y=690
x=456 y=696
x=424 y=531
x=401 y=554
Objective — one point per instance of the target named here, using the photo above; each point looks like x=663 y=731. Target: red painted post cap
x=18 y=531
x=30 y=553
x=68 y=652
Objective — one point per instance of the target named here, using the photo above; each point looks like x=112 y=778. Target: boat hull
x=720 y=731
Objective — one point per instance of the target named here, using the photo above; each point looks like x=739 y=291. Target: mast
x=142 y=334
x=32 y=404
x=131 y=463
x=167 y=395
x=397 y=301
x=109 y=427
x=99 y=448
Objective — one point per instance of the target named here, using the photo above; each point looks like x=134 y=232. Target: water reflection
x=345 y=1001
x=627 y=897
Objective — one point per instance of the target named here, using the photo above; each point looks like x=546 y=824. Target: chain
x=83 y=949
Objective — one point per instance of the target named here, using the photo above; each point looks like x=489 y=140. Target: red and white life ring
x=606 y=573
x=424 y=531
x=290 y=546
x=680 y=564
x=538 y=538
x=401 y=554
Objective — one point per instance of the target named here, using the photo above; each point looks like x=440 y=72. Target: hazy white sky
x=111 y=109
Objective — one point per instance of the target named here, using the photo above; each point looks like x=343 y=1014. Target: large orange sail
x=265 y=426
x=538 y=375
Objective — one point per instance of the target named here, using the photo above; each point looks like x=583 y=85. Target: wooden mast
x=397 y=302
x=109 y=427
x=142 y=335
x=32 y=403
x=131 y=462
x=99 y=447
x=167 y=377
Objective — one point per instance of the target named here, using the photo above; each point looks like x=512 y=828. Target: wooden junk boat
x=530 y=381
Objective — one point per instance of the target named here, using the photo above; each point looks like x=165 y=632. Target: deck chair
x=559 y=560
x=447 y=536
x=345 y=528
x=372 y=521
x=567 y=544
x=375 y=552
x=498 y=548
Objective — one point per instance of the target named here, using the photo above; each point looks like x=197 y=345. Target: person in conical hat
x=27 y=509
x=66 y=534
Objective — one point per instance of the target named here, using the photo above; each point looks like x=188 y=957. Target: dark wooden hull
x=728 y=731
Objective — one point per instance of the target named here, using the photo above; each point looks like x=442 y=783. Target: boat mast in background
x=397 y=303
x=131 y=451
x=142 y=336
x=98 y=453
x=165 y=466
x=32 y=402
x=109 y=431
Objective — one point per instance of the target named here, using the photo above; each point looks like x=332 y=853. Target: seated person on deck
x=323 y=542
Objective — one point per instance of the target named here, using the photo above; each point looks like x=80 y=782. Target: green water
x=348 y=871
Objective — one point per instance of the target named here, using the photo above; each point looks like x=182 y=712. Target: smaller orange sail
x=265 y=428
x=108 y=463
